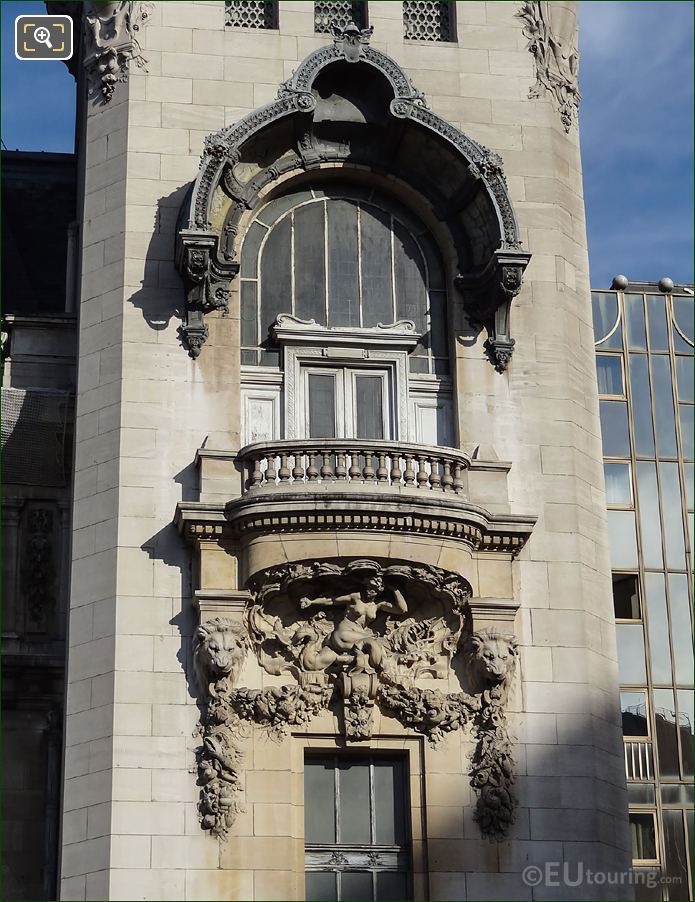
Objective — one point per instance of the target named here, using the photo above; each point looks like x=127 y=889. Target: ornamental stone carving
x=111 y=43
x=551 y=31
x=353 y=635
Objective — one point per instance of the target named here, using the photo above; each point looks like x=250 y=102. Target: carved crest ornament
x=351 y=637
x=475 y=207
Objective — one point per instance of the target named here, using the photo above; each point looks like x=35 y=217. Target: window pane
x=249 y=315
x=276 y=279
x=641 y=405
x=609 y=373
x=617 y=484
x=656 y=312
x=410 y=279
x=673 y=517
x=633 y=706
x=676 y=794
x=621 y=540
x=648 y=500
x=249 y=252
x=666 y=734
x=343 y=300
x=356 y=885
x=689 y=486
x=685 y=721
x=369 y=404
x=681 y=628
x=641 y=794
x=438 y=325
x=631 y=667
x=320 y=887
x=319 y=803
x=684 y=374
x=354 y=814
x=643 y=836
x=687 y=427
x=683 y=311
x=377 y=286
x=321 y=406
x=658 y=627
x=626 y=604
x=391 y=885
x=614 y=431
x=676 y=869
x=605 y=313
x=309 y=263
x=634 y=312
x=389 y=799
x=663 y=406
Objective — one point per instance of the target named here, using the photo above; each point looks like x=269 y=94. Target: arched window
x=352 y=261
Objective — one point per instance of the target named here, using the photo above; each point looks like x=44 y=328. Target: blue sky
x=636 y=77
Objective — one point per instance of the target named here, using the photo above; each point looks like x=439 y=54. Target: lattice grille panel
x=427 y=21
x=339 y=13
x=249 y=14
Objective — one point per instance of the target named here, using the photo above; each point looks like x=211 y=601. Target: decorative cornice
x=288 y=329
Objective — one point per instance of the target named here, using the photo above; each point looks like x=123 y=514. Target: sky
x=636 y=78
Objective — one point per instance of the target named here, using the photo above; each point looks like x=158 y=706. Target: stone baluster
x=312 y=473
x=368 y=471
x=326 y=466
x=284 y=471
x=298 y=468
x=382 y=474
x=355 y=471
x=447 y=478
x=255 y=474
x=409 y=473
x=396 y=474
x=458 y=481
x=271 y=472
x=340 y=468
x=422 y=477
x=435 y=475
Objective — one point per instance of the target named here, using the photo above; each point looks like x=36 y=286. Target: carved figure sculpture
x=111 y=42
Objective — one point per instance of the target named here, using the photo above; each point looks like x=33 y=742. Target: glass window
x=340 y=13
x=676 y=867
x=685 y=376
x=673 y=516
x=641 y=405
x=689 y=486
x=687 y=428
x=681 y=627
x=643 y=832
x=626 y=600
x=659 y=647
x=663 y=406
x=621 y=539
x=634 y=318
x=666 y=733
x=609 y=372
x=683 y=314
x=428 y=20
x=658 y=331
x=618 y=488
x=641 y=793
x=676 y=794
x=631 y=667
x=605 y=311
x=322 y=410
x=614 y=430
x=353 y=805
x=685 y=728
x=633 y=706
x=650 y=527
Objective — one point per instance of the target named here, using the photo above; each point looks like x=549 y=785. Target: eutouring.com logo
x=575 y=873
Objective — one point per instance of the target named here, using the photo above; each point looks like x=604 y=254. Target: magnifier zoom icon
x=43 y=36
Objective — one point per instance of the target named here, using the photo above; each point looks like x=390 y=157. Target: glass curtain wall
x=644 y=365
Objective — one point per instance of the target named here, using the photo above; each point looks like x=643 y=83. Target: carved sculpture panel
x=355 y=635
x=111 y=42
x=551 y=32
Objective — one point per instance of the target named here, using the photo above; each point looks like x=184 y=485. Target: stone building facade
x=341 y=619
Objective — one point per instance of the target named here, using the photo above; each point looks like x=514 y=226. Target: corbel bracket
x=206 y=280
x=487 y=299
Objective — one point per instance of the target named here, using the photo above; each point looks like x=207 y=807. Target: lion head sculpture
x=492 y=658
x=219 y=649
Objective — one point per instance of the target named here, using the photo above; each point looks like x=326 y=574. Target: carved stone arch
x=350 y=104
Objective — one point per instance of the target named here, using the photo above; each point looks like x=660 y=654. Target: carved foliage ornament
x=111 y=42
x=355 y=634
x=550 y=29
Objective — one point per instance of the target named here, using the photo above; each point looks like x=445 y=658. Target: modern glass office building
x=644 y=363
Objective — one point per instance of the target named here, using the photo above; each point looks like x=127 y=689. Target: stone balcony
x=285 y=501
